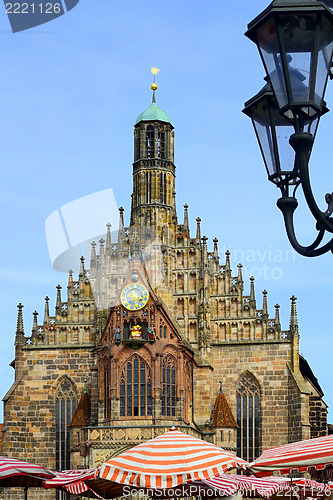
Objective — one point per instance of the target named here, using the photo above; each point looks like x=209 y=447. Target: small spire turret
x=216 y=251
x=19 y=337
x=264 y=304
x=121 y=232
x=121 y=218
x=240 y=276
x=70 y=279
x=252 y=293
x=227 y=266
x=101 y=252
x=19 y=325
x=277 y=314
x=198 y=235
x=35 y=322
x=93 y=258
x=293 y=326
x=47 y=310
x=186 y=225
x=108 y=239
x=82 y=271
x=204 y=249
x=58 y=302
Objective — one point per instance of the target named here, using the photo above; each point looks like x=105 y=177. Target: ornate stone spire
x=277 y=315
x=82 y=271
x=227 y=262
x=101 y=252
x=70 y=279
x=108 y=239
x=204 y=249
x=121 y=232
x=93 y=258
x=216 y=251
x=293 y=326
x=58 y=302
x=240 y=276
x=186 y=226
x=264 y=304
x=252 y=293
x=35 y=322
x=121 y=218
x=19 y=325
x=46 y=310
x=222 y=416
x=198 y=235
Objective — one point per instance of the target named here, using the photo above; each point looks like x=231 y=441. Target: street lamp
x=295 y=41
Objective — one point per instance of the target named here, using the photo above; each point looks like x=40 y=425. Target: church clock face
x=134 y=296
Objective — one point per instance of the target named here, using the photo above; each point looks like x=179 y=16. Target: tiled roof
x=81 y=417
x=221 y=414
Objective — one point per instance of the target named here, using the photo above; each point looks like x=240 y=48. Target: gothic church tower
x=153 y=198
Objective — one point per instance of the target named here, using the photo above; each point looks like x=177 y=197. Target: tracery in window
x=135 y=389
x=65 y=404
x=150 y=141
x=107 y=385
x=169 y=387
x=248 y=394
x=148 y=187
x=188 y=391
x=161 y=144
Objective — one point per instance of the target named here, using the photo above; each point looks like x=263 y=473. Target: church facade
x=157 y=332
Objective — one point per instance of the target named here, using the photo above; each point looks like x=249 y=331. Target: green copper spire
x=153 y=113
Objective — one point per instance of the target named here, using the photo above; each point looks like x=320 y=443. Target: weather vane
x=154 y=71
x=154 y=85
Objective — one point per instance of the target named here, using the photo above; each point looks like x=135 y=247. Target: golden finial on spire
x=154 y=71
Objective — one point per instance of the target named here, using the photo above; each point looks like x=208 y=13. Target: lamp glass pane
x=273 y=132
x=265 y=140
x=324 y=57
x=286 y=152
x=298 y=34
x=269 y=47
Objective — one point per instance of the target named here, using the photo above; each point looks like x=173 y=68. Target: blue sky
x=70 y=93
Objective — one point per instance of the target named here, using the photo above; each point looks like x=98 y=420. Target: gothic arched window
x=188 y=391
x=150 y=138
x=107 y=385
x=161 y=144
x=169 y=387
x=65 y=404
x=248 y=393
x=135 y=389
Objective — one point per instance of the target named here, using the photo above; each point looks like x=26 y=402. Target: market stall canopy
x=84 y=482
x=169 y=460
x=14 y=472
x=302 y=455
x=249 y=486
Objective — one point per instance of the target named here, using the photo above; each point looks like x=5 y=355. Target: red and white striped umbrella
x=14 y=472
x=169 y=460
x=317 y=452
x=84 y=482
x=249 y=486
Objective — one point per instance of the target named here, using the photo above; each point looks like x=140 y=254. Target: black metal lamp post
x=295 y=41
